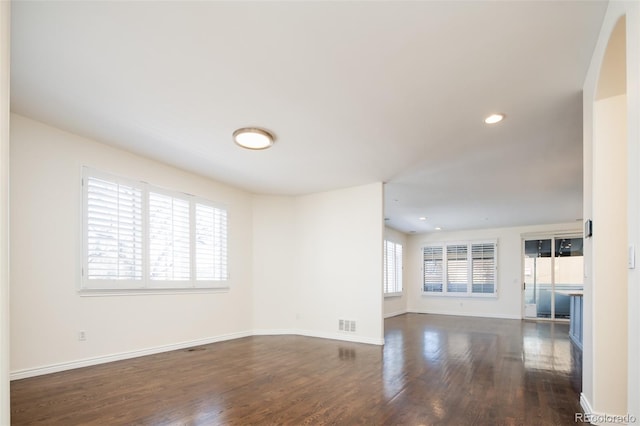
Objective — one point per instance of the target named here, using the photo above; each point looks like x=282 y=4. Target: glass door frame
x=552 y=237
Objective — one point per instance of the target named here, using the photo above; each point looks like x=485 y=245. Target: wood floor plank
x=433 y=370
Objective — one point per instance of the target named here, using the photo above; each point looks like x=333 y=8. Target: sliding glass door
x=553 y=270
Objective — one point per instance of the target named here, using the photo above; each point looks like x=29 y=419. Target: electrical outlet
x=82 y=335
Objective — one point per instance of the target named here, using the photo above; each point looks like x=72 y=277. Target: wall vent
x=347 y=325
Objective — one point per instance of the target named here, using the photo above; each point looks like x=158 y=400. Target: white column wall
x=5 y=35
x=592 y=360
x=339 y=262
x=609 y=262
x=633 y=204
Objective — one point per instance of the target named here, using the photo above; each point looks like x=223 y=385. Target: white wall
x=396 y=305
x=275 y=252
x=339 y=262
x=508 y=303
x=633 y=204
x=593 y=362
x=5 y=34
x=47 y=310
x=318 y=259
x=297 y=264
x=609 y=244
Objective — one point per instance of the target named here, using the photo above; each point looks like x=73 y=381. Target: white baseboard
x=394 y=314
x=584 y=403
x=596 y=418
x=55 y=368
x=347 y=337
x=462 y=314
x=274 y=332
x=87 y=362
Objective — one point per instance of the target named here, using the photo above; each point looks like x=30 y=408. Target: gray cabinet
x=575 y=324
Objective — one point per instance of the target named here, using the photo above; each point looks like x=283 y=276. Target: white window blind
x=433 y=272
x=211 y=243
x=469 y=267
x=483 y=267
x=113 y=231
x=392 y=267
x=136 y=236
x=169 y=248
x=457 y=274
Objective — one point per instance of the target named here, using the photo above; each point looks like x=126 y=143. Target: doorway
x=553 y=271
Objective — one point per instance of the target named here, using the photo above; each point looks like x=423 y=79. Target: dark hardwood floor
x=433 y=370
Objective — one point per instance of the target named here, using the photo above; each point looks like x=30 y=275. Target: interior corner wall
x=593 y=362
x=275 y=251
x=5 y=34
x=47 y=310
x=397 y=305
x=338 y=267
x=508 y=303
x=318 y=259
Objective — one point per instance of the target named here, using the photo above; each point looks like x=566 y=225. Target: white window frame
x=469 y=260
x=397 y=268
x=146 y=284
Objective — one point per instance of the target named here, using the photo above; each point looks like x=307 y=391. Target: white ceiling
x=356 y=92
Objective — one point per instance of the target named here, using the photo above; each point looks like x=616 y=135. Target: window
x=169 y=232
x=392 y=267
x=113 y=230
x=136 y=236
x=462 y=269
x=483 y=268
x=433 y=269
x=457 y=270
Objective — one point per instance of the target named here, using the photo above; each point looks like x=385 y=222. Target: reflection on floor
x=433 y=370
x=460 y=370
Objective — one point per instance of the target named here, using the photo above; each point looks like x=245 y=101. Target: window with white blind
x=460 y=269
x=169 y=232
x=483 y=258
x=113 y=231
x=433 y=269
x=457 y=269
x=392 y=268
x=136 y=236
x=211 y=243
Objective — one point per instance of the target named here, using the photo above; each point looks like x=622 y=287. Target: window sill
x=392 y=295
x=462 y=295
x=149 y=291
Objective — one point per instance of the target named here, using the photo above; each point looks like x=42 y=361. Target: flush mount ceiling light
x=253 y=138
x=494 y=118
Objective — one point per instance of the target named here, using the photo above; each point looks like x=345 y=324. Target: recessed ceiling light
x=438 y=228
x=253 y=138
x=494 y=118
x=422 y=218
